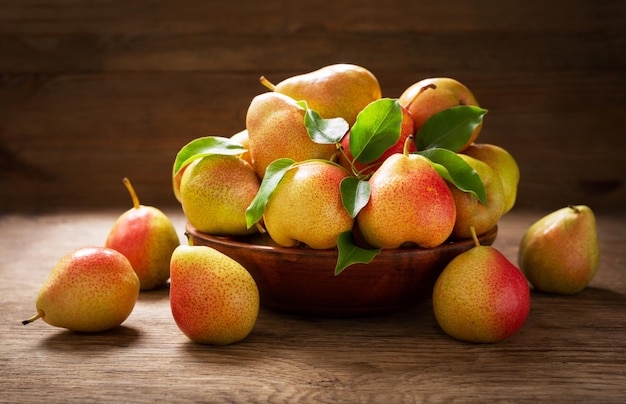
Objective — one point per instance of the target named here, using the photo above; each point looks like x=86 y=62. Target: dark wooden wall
x=92 y=91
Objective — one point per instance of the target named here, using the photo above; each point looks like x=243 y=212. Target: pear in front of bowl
x=559 y=253
x=214 y=300
x=480 y=296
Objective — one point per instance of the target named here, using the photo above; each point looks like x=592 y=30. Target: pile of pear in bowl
x=340 y=201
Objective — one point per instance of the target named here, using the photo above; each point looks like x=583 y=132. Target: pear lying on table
x=559 y=253
x=91 y=289
x=480 y=296
x=147 y=237
x=214 y=300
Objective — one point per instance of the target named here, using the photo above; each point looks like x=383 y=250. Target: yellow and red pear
x=147 y=237
x=480 y=296
x=91 y=289
x=276 y=129
x=337 y=90
x=306 y=206
x=409 y=203
x=559 y=253
x=432 y=95
x=214 y=300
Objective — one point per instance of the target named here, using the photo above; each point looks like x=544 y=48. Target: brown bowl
x=300 y=280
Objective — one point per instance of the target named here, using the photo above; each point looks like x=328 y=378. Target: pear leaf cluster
x=206 y=146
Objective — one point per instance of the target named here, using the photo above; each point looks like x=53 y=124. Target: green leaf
x=376 y=129
x=456 y=170
x=205 y=146
x=274 y=173
x=350 y=253
x=449 y=129
x=355 y=194
x=323 y=131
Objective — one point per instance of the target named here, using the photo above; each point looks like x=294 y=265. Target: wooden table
x=570 y=349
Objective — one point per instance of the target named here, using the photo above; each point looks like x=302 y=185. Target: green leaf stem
x=323 y=131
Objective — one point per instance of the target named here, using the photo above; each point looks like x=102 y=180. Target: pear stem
x=407 y=144
x=33 y=318
x=132 y=192
x=474 y=236
x=267 y=83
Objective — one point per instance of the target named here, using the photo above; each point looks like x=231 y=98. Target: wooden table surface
x=570 y=349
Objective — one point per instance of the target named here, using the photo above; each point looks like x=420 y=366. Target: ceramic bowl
x=299 y=280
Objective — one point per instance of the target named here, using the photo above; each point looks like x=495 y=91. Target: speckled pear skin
x=214 y=300
x=409 y=203
x=306 y=206
x=91 y=289
x=559 y=253
x=337 y=90
x=276 y=129
x=147 y=237
x=480 y=296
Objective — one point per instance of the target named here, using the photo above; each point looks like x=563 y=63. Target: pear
x=426 y=97
x=409 y=203
x=503 y=163
x=559 y=253
x=91 y=289
x=276 y=129
x=337 y=90
x=215 y=192
x=306 y=206
x=480 y=296
x=243 y=138
x=469 y=210
x=214 y=300
x=147 y=237
x=347 y=160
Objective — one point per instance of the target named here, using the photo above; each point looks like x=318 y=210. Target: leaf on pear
x=323 y=131
x=376 y=129
x=350 y=253
x=274 y=173
x=355 y=193
x=205 y=146
x=456 y=171
x=449 y=129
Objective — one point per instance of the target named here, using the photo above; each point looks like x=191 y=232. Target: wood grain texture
x=571 y=349
x=90 y=93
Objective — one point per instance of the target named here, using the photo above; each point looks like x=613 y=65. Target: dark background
x=92 y=91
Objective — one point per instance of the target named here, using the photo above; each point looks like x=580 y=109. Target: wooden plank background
x=92 y=91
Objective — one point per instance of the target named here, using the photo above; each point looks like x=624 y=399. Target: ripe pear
x=480 y=296
x=276 y=129
x=216 y=191
x=559 y=253
x=469 y=210
x=503 y=163
x=214 y=300
x=147 y=237
x=91 y=289
x=337 y=90
x=429 y=96
x=409 y=203
x=306 y=206
x=406 y=129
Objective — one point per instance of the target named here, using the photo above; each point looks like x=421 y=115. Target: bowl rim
x=236 y=242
